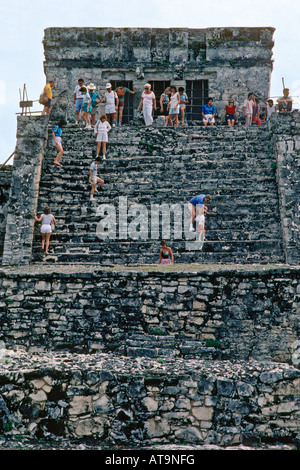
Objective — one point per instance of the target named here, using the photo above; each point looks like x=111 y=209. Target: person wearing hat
x=95 y=97
x=111 y=104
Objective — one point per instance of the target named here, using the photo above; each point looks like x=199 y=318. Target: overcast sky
x=22 y=24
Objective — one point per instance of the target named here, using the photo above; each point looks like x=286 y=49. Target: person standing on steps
x=86 y=108
x=255 y=115
x=94 y=178
x=57 y=141
x=174 y=104
x=49 y=95
x=48 y=220
x=199 y=201
x=270 y=109
x=148 y=103
x=208 y=113
x=166 y=254
x=111 y=104
x=183 y=102
x=95 y=97
x=164 y=105
x=101 y=130
x=248 y=109
x=121 y=92
x=78 y=100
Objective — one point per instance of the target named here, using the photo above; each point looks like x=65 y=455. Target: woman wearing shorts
x=174 y=104
x=47 y=220
x=57 y=141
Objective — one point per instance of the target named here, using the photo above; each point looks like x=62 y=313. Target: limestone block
x=86 y=427
x=39 y=397
x=157 y=428
x=102 y=404
x=199 y=305
x=191 y=434
x=183 y=403
x=203 y=413
x=150 y=404
x=80 y=404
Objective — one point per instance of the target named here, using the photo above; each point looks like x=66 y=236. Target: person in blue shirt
x=183 y=102
x=95 y=97
x=199 y=202
x=57 y=141
x=208 y=113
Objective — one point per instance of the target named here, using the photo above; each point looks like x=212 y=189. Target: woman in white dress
x=149 y=103
x=101 y=130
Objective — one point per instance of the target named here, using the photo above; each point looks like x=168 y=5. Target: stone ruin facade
x=219 y=62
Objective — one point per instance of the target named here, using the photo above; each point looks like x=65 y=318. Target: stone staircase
x=157 y=166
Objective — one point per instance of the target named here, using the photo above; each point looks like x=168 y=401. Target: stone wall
x=130 y=403
x=233 y=60
x=32 y=135
x=5 y=182
x=286 y=131
x=244 y=313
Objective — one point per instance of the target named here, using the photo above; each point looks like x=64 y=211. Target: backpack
x=43 y=99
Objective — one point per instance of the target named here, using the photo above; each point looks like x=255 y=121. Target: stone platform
x=200 y=354
x=119 y=402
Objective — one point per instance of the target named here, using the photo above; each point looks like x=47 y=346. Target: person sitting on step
x=166 y=254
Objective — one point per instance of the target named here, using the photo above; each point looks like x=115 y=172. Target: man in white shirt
x=78 y=99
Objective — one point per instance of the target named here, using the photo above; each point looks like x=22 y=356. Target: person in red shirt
x=231 y=115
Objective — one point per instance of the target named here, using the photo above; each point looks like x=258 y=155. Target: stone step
x=263 y=251
x=134 y=190
x=134 y=156
x=81 y=238
x=222 y=203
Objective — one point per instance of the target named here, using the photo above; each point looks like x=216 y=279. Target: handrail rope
x=3 y=165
